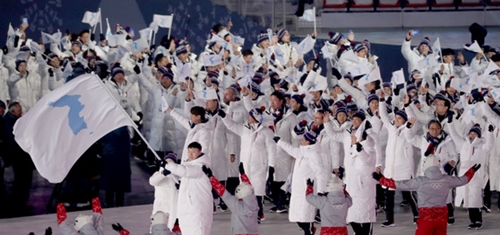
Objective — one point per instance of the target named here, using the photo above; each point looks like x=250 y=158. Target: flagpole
x=126 y=114
x=170 y=28
x=314 y=12
x=100 y=19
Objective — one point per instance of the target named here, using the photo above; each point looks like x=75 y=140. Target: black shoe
x=404 y=204
x=317 y=219
x=451 y=220
x=415 y=218
x=387 y=224
x=486 y=209
x=222 y=206
x=281 y=211
x=476 y=226
x=273 y=209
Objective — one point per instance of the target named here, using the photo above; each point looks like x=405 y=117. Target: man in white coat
x=24 y=86
x=258 y=150
x=418 y=53
x=308 y=165
x=284 y=122
x=399 y=163
x=194 y=207
x=198 y=129
x=474 y=150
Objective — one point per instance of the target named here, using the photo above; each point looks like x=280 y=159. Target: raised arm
x=180 y=119
x=191 y=171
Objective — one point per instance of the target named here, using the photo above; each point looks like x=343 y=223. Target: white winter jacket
x=195 y=202
x=258 y=151
x=475 y=152
x=308 y=165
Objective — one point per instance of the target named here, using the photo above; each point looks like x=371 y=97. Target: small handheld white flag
x=66 y=122
x=247 y=69
x=47 y=38
x=474 y=47
x=146 y=33
x=35 y=47
x=244 y=81
x=428 y=61
x=436 y=47
x=238 y=40
x=117 y=39
x=326 y=52
x=212 y=60
x=279 y=55
x=91 y=18
x=374 y=75
x=398 y=77
x=308 y=15
x=305 y=45
x=350 y=56
x=164 y=21
x=360 y=69
x=139 y=45
x=184 y=70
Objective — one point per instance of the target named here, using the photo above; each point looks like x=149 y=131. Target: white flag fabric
x=270 y=35
x=122 y=50
x=308 y=15
x=140 y=45
x=326 y=52
x=374 y=75
x=279 y=55
x=247 y=69
x=428 y=61
x=360 y=69
x=398 y=77
x=154 y=26
x=91 y=18
x=496 y=94
x=467 y=70
x=11 y=31
x=244 y=81
x=35 y=47
x=101 y=53
x=108 y=32
x=47 y=38
x=146 y=33
x=164 y=21
x=305 y=45
x=238 y=40
x=349 y=55
x=117 y=39
x=474 y=47
x=212 y=60
x=183 y=71
x=436 y=47
x=66 y=122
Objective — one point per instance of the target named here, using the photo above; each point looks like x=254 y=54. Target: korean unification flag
x=212 y=59
x=91 y=18
x=164 y=21
x=66 y=122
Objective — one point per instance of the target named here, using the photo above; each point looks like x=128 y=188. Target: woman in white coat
x=284 y=122
x=166 y=193
x=444 y=150
x=194 y=207
x=359 y=159
x=308 y=165
x=474 y=150
x=258 y=150
x=398 y=159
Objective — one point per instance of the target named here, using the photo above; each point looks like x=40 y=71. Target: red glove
x=61 y=213
x=96 y=205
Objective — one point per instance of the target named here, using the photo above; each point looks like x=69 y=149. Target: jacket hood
x=335 y=196
x=433 y=173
